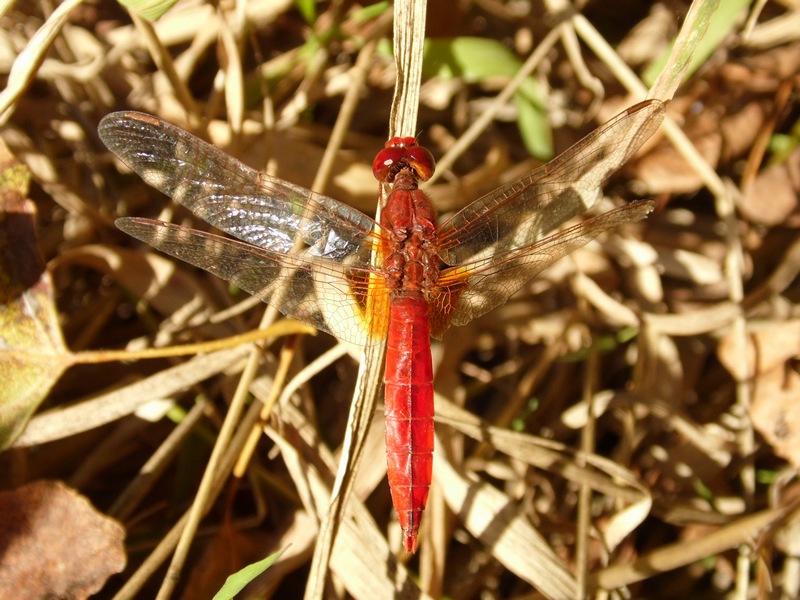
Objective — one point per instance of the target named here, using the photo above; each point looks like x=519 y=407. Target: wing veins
x=484 y=284
x=523 y=211
x=252 y=206
x=262 y=273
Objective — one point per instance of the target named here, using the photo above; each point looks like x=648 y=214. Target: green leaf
x=478 y=59
x=534 y=126
x=307 y=8
x=371 y=12
x=236 y=582
x=472 y=59
x=150 y=10
x=782 y=145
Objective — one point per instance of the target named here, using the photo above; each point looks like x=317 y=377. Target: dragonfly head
x=403 y=153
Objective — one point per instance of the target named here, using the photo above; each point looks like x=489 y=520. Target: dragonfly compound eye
x=400 y=153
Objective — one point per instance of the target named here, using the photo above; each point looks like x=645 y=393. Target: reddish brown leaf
x=229 y=551
x=664 y=170
x=773 y=195
x=55 y=544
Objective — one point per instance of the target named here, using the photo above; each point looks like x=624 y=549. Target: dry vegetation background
x=680 y=333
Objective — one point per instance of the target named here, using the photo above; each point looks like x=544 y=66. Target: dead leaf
x=740 y=128
x=768 y=348
x=722 y=113
x=32 y=351
x=665 y=171
x=775 y=412
x=229 y=551
x=55 y=543
x=773 y=195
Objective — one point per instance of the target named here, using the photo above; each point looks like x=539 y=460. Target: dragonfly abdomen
x=409 y=412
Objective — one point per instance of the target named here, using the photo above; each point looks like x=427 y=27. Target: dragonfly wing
x=252 y=206
x=520 y=213
x=327 y=295
x=467 y=291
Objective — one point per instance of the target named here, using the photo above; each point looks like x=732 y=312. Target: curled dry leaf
x=775 y=409
x=773 y=195
x=768 y=348
x=32 y=351
x=665 y=171
x=775 y=412
x=689 y=266
x=493 y=517
x=56 y=545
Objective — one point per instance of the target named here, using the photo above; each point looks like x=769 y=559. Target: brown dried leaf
x=723 y=114
x=740 y=128
x=665 y=171
x=32 y=351
x=775 y=412
x=228 y=552
x=773 y=195
x=492 y=516
x=767 y=349
x=56 y=545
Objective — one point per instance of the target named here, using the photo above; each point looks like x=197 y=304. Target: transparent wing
x=306 y=254
x=521 y=213
x=467 y=291
x=252 y=206
x=325 y=295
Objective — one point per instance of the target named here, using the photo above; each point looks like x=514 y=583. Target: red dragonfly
x=312 y=257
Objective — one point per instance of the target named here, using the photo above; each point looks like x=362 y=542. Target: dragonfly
x=400 y=281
